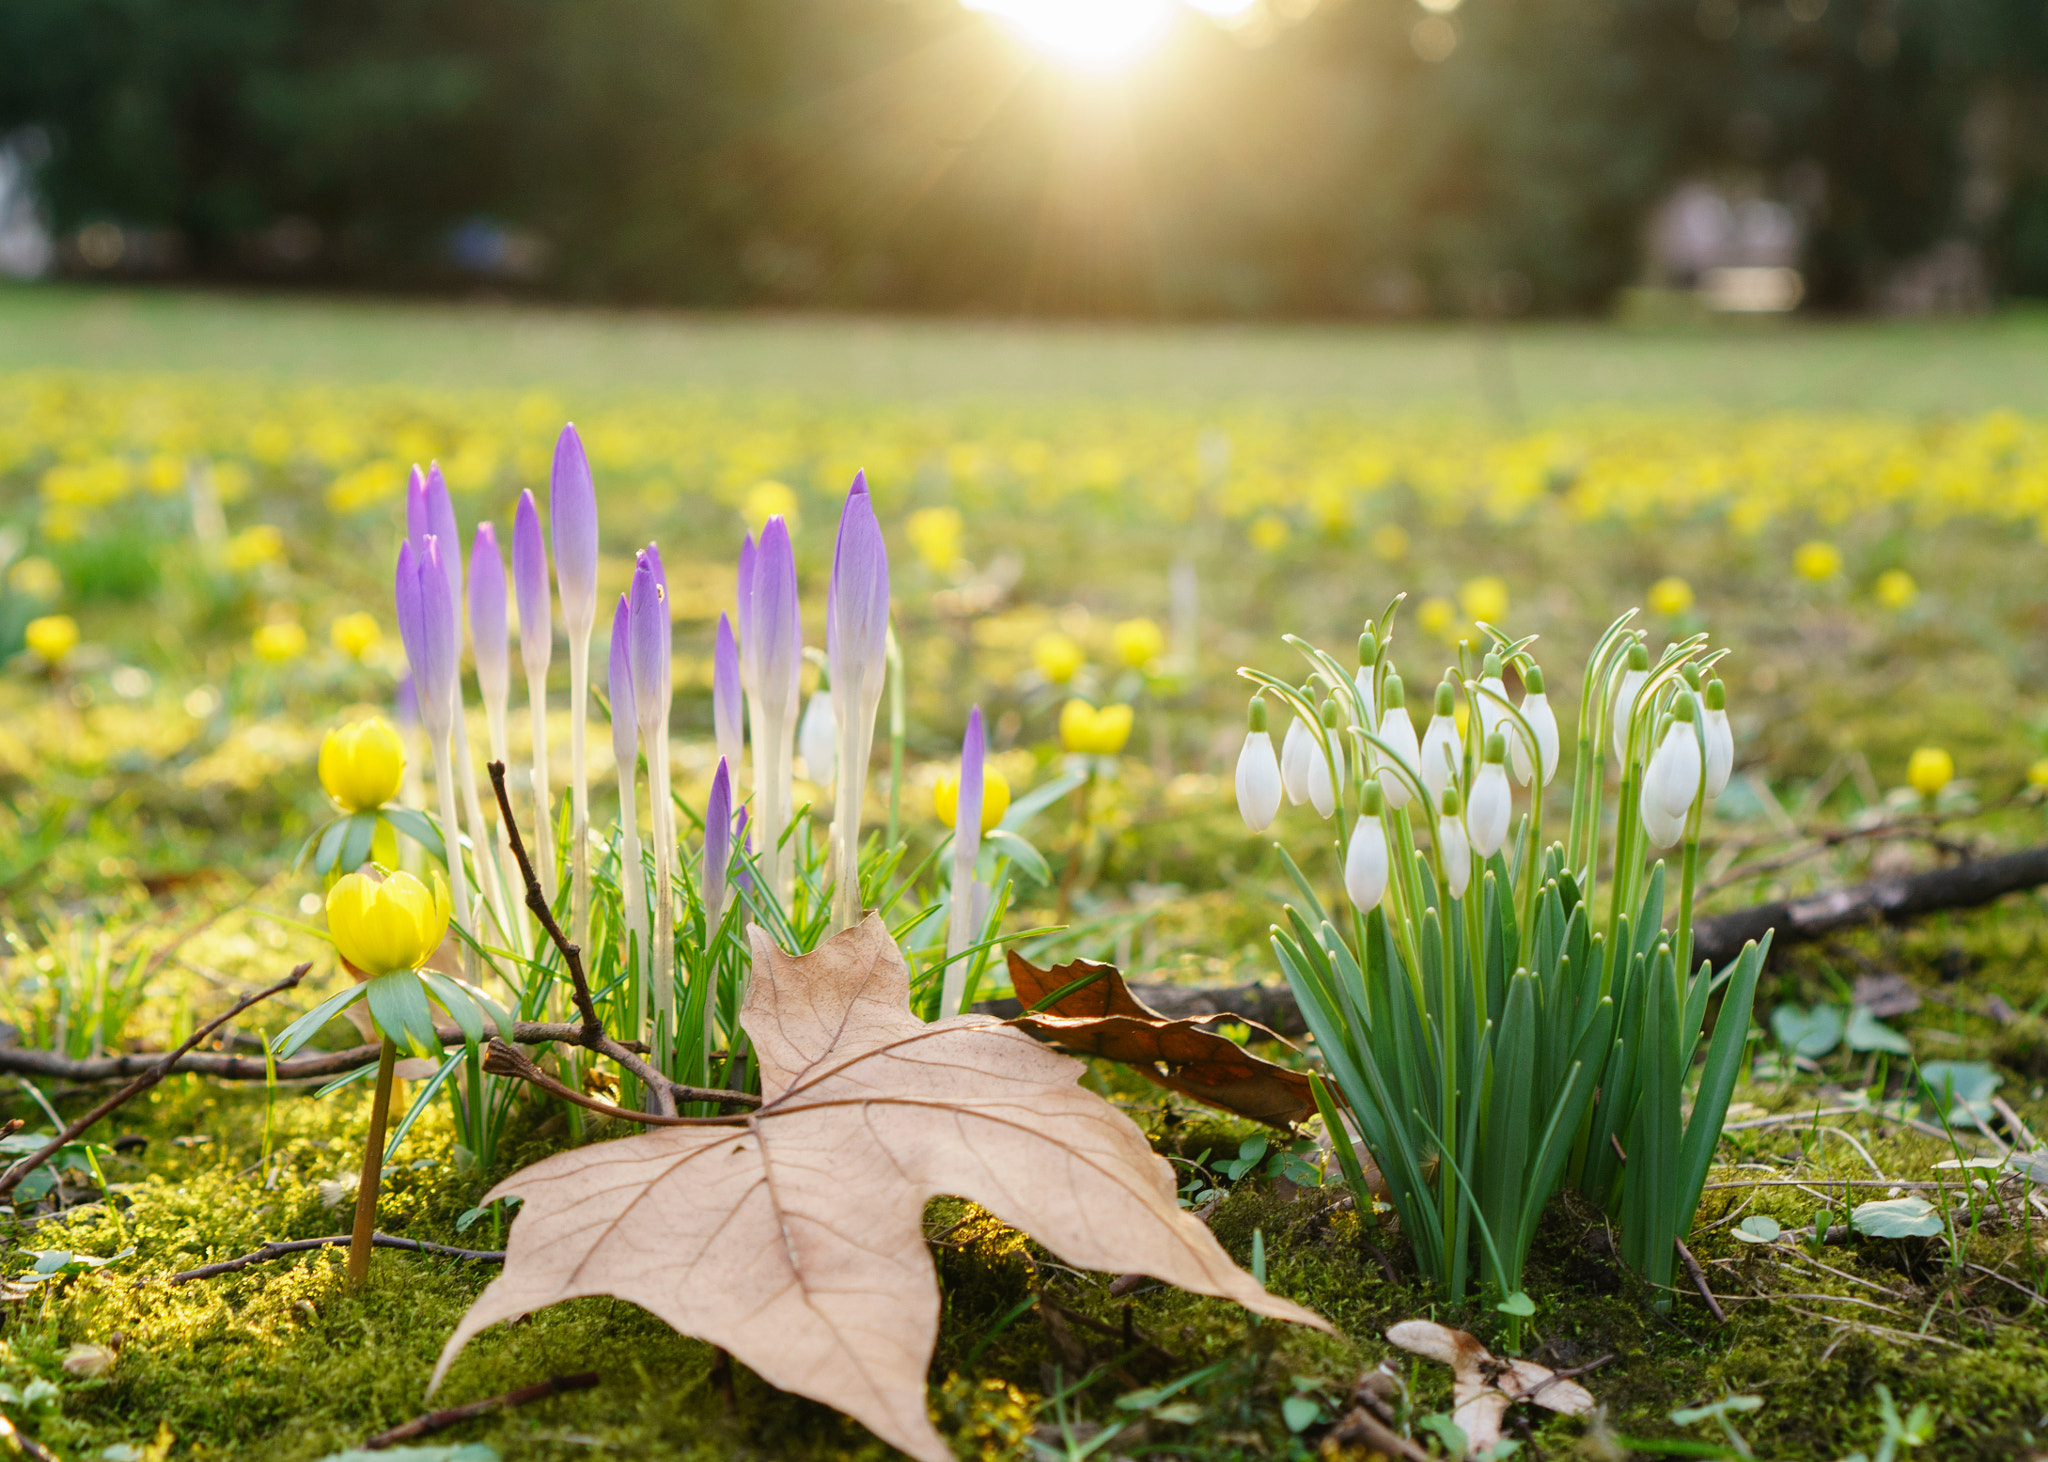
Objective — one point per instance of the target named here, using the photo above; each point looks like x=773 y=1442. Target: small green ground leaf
x=1867 y=1033
x=1758 y=1229
x=1897 y=1218
x=1300 y=1412
x=1809 y=1033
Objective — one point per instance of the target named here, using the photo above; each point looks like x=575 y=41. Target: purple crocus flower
x=487 y=630
x=748 y=555
x=428 y=511
x=728 y=705
x=405 y=704
x=717 y=844
x=572 y=507
x=744 y=837
x=619 y=686
x=961 y=924
x=426 y=623
x=857 y=606
x=771 y=639
x=648 y=637
x=530 y=583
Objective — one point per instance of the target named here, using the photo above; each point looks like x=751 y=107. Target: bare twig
x=1699 y=1280
x=435 y=1421
x=28 y=1447
x=501 y=1059
x=140 y=1084
x=279 y=1248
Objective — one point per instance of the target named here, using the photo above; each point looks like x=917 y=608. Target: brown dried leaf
x=1483 y=1387
x=1103 y=1018
x=793 y=1237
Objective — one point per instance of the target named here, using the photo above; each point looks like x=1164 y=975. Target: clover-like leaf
x=1897 y=1218
x=1808 y=1033
x=793 y=1236
x=1758 y=1229
x=1867 y=1033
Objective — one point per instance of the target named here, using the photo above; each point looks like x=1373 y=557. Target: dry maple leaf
x=1103 y=1018
x=794 y=1237
x=1483 y=1387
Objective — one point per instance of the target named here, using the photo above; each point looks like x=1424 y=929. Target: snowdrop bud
x=1258 y=773
x=1487 y=820
x=1453 y=852
x=1720 y=739
x=1542 y=720
x=1296 y=750
x=1326 y=773
x=1492 y=712
x=1365 y=861
x=1632 y=678
x=1674 y=776
x=1398 y=732
x=1443 y=753
x=1368 y=658
x=817 y=738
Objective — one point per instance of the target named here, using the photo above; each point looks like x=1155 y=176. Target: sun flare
x=1097 y=35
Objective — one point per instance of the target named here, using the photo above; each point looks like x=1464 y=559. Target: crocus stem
x=481 y=844
x=451 y=834
x=544 y=840
x=662 y=949
x=856 y=746
x=579 y=792
x=373 y=1170
x=898 y=733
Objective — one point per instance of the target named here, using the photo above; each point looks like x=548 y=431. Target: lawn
x=210 y=490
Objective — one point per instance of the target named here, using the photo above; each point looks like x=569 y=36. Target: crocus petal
x=648 y=642
x=441 y=523
x=717 y=841
x=572 y=509
x=619 y=686
x=728 y=703
x=530 y=583
x=487 y=628
x=775 y=645
x=857 y=614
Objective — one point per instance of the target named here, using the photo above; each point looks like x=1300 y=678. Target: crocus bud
x=1258 y=773
x=744 y=587
x=382 y=927
x=1633 y=675
x=619 y=686
x=1443 y=751
x=1487 y=818
x=648 y=642
x=530 y=584
x=426 y=623
x=1453 y=851
x=487 y=631
x=728 y=703
x=1296 y=749
x=1398 y=733
x=441 y=523
x=817 y=737
x=717 y=842
x=1542 y=720
x=572 y=509
x=1674 y=776
x=1326 y=773
x=857 y=602
x=362 y=764
x=1365 y=861
x=771 y=641
x=1720 y=739
x=995 y=797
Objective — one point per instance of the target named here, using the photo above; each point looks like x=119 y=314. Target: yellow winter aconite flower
x=1438 y=616
x=768 y=499
x=380 y=928
x=1269 y=533
x=935 y=535
x=2037 y=774
x=52 y=637
x=1817 y=562
x=1138 y=642
x=1094 y=732
x=995 y=797
x=1390 y=542
x=279 y=642
x=1484 y=598
x=1895 y=589
x=35 y=577
x=253 y=547
x=355 y=635
x=1057 y=657
x=1930 y=769
x=361 y=764
x=1670 y=596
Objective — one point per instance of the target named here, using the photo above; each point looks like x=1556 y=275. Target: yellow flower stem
x=373 y=1170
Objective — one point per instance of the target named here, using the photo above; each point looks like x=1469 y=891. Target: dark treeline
x=904 y=154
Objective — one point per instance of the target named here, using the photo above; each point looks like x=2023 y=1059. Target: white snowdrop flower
x=1632 y=678
x=1368 y=658
x=1258 y=773
x=1398 y=732
x=1453 y=851
x=1443 y=752
x=1326 y=773
x=1492 y=713
x=1365 y=861
x=1487 y=818
x=1673 y=779
x=1720 y=739
x=1663 y=829
x=817 y=738
x=1296 y=750
x=1535 y=709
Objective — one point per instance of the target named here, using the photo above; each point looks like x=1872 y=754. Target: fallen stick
x=1699 y=1280
x=279 y=1248
x=436 y=1421
x=13 y=1176
x=28 y=1447
x=501 y=1059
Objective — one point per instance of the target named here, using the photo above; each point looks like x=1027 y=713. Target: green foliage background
x=903 y=154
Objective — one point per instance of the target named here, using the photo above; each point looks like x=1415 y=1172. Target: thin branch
x=141 y=1084
x=572 y=955
x=28 y=1447
x=1699 y=1280
x=280 y=1248
x=501 y=1059
x=435 y=1421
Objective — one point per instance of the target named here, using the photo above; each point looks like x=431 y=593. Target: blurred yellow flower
x=1390 y=542
x=1058 y=658
x=2037 y=774
x=1094 y=732
x=1930 y=769
x=35 y=577
x=995 y=797
x=52 y=637
x=1895 y=589
x=1438 y=616
x=1670 y=596
x=380 y=928
x=765 y=499
x=361 y=764
x=279 y=642
x=164 y=474
x=1485 y=597
x=935 y=535
x=253 y=547
x=1138 y=642
x=355 y=635
x=1817 y=562
x=1269 y=533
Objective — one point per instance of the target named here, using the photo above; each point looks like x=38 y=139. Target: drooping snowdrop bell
x=1535 y=709
x=1635 y=672
x=1453 y=849
x=1258 y=773
x=1492 y=712
x=1443 y=752
x=1487 y=818
x=1326 y=772
x=1368 y=661
x=1720 y=739
x=1296 y=749
x=1673 y=780
x=1398 y=732
x=817 y=738
x=1365 y=861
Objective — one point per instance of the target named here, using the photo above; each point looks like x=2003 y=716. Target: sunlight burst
x=1094 y=34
